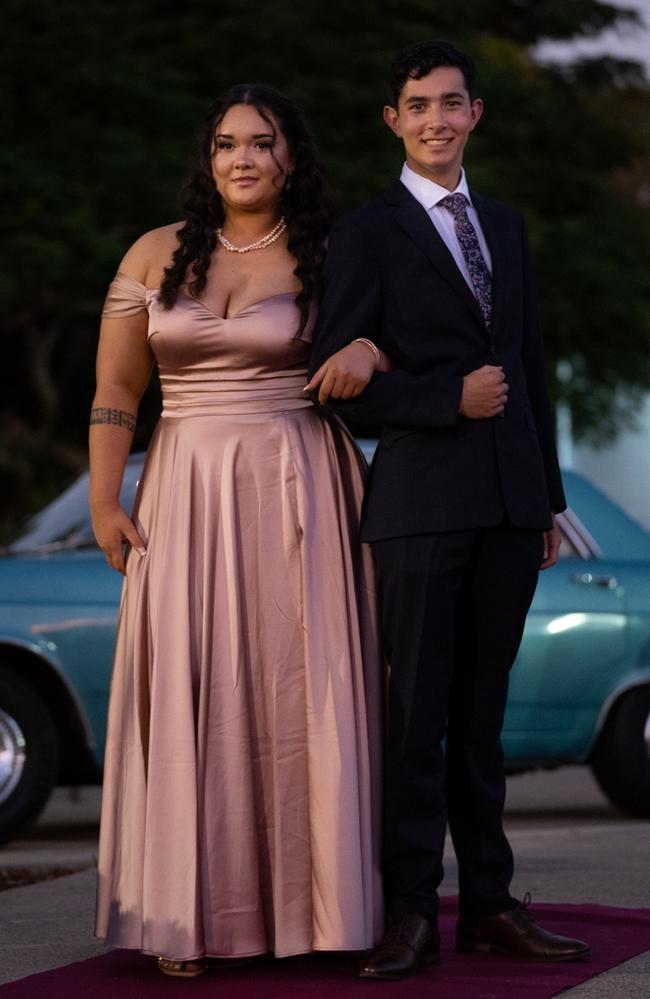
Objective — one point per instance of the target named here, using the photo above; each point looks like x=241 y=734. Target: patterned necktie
x=469 y=244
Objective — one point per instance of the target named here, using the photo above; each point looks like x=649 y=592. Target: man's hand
x=485 y=393
x=552 y=541
x=345 y=374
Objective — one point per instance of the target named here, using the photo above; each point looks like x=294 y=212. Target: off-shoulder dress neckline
x=202 y=305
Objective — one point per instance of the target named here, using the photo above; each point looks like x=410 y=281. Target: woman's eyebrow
x=259 y=135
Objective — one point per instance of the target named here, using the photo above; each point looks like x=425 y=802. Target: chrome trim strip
x=587 y=539
x=573 y=536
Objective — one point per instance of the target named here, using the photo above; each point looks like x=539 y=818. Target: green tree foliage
x=101 y=98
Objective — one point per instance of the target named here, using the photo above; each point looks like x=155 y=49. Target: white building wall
x=621 y=469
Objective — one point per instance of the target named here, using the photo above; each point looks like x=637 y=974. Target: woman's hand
x=114 y=529
x=346 y=373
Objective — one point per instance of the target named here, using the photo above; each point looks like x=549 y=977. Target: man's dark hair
x=416 y=61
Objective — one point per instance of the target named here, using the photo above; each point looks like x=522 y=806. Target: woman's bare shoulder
x=150 y=254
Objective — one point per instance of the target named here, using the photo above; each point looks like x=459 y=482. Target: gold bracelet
x=369 y=343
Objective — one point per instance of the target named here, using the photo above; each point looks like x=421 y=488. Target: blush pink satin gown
x=241 y=804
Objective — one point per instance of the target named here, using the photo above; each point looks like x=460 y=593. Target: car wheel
x=621 y=760
x=29 y=755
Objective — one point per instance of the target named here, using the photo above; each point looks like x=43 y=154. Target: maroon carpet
x=614 y=934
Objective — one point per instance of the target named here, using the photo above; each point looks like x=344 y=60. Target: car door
x=59 y=596
x=575 y=645
x=65 y=606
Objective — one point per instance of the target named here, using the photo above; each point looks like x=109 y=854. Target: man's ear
x=391 y=117
x=477 y=111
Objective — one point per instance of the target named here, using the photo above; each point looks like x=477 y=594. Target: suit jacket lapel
x=413 y=218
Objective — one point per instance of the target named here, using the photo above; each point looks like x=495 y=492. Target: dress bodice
x=252 y=361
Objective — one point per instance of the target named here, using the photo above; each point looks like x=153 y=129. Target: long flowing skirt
x=241 y=809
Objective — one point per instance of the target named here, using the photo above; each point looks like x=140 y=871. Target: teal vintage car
x=580 y=690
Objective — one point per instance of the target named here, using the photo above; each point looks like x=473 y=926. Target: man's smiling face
x=434 y=118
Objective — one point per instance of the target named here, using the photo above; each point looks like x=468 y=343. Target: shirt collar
x=427 y=192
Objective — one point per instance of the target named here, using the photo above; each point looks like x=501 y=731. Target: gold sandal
x=182 y=969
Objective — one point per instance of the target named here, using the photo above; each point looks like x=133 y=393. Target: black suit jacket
x=389 y=277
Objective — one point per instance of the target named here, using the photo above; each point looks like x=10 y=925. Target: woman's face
x=249 y=163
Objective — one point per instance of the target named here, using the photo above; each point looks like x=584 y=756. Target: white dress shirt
x=428 y=193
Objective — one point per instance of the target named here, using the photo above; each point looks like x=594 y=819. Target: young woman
x=240 y=810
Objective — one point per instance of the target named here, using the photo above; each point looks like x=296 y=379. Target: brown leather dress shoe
x=516 y=933
x=411 y=942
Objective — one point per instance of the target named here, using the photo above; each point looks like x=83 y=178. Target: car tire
x=29 y=755
x=621 y=760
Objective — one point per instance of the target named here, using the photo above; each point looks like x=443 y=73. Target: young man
x=460 y=502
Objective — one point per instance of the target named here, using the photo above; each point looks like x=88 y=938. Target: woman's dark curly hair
x=303 y=201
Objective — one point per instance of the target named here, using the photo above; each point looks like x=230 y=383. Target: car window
x=66 y=521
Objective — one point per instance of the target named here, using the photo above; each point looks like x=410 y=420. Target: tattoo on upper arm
x=113 y=417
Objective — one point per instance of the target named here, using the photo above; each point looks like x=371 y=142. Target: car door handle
x=589 y=579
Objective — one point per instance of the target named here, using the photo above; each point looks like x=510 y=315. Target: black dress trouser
x=453 y=606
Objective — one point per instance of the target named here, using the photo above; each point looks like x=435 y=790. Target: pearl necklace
x=261 y=244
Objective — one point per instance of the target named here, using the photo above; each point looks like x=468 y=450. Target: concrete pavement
x=569 y=844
